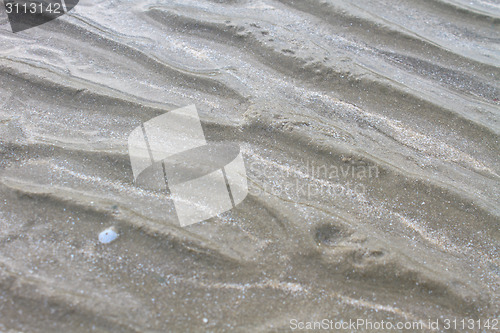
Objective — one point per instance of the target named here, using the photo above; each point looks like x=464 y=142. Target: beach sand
x=370 y=135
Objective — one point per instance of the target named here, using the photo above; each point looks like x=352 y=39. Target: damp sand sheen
x=370 y=137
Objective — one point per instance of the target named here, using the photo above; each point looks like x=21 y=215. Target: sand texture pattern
x=370 y=134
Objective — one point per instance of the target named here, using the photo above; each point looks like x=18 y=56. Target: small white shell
x=108 y=235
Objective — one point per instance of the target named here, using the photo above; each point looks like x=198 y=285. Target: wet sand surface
x=370 y=134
